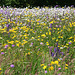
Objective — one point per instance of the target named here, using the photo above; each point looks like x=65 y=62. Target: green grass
x=26 y=57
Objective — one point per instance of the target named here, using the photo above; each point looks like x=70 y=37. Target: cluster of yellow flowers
x=51 y=65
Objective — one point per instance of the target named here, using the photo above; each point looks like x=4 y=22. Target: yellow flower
x=47 y=43
x=38 y=36
x=28 y=53
x=43 y=35
x=52 y=62
x=49 y=33
x=66 y=67
x=51 y=22
x=1 y=49
x=32 y=38
x=17 y=44
x=9 y=47
x=44 y=67
x=58 y=28
x=56 y=62
x=42 y=64
x=51 y=67
x=46 y=33
x=57 y=40
x=58 y=59
x=41 y=39
x=58 y=65
x=0 y=69
x=66 y=64
x=67 y=44
x=38 y=39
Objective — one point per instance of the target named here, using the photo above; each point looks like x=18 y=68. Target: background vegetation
x=35 y=3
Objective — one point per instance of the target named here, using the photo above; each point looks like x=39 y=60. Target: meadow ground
x=37 y=41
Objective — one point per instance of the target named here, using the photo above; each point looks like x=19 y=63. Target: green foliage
x=35 y=3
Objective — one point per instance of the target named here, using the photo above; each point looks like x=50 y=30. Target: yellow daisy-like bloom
x=56 y=62
x=58 y=65
x=66 y=64
x=0 y=69
x=51 y=68
x=43 y=35
x=47 y=43
x=28 y=53
x=42 y=64
x=58 y=59
x=56 y=40
x=44 y=67
x=52 y=62
x=66 y=67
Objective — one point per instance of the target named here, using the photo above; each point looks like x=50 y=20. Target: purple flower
x=59 y=68
x=48 y=64
x=56 y=6
x=62 y=53
x=31 y=43
x=50 y=25
x=55 y=50
x=6 y=46
x=47 y=17
x=12 y=65
x=45 y=71
x=13 y=45
x=69 y=42
x=7 y=25
x=2 y=52
x=52 y=54
x=72 y=5
x=59 y=25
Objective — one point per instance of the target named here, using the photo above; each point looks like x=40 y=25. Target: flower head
x=13 y=45
x=44 y=67
x=59 y=68
x=12 y=65
x=2 y=52
x=6 y=46
x=69 y=42
x=45 y=71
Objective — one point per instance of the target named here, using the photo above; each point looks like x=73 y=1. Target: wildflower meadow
x=37 y=41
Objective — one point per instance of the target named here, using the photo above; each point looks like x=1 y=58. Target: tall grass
x=37 y=41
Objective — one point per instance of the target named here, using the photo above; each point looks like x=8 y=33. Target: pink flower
x=41 y=43
x=2 y=52
x=59 y=68
x=6 y=46
x=13 y=45
x=45 y=71
x=59 y=25
x=12 y=65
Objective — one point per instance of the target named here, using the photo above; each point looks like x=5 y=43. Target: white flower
x=61 y=47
